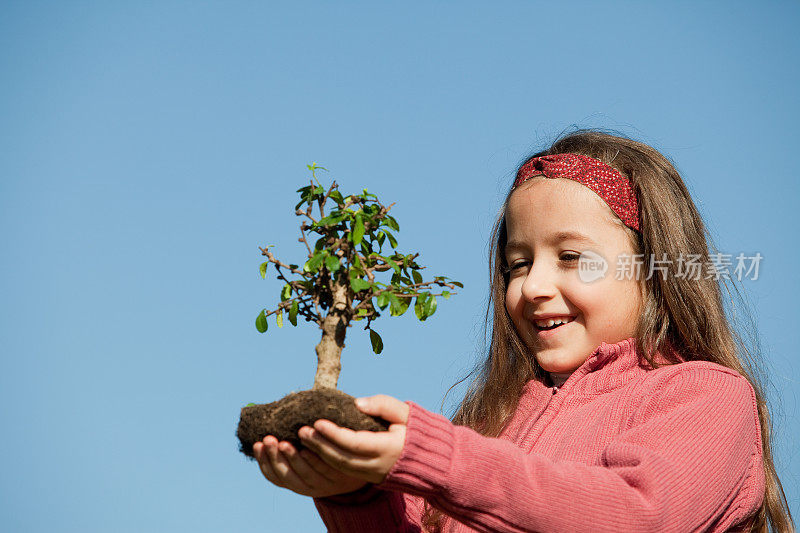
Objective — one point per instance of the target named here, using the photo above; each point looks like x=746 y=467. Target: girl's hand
x=366 y=455
x=302 y=472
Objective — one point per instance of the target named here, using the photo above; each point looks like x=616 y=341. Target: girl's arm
x=692 y=448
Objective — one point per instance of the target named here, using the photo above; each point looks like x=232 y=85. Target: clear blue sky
x=148 y=148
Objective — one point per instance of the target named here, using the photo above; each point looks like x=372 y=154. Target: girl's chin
x=558 y=367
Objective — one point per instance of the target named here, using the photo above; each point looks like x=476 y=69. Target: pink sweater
x=619 y=447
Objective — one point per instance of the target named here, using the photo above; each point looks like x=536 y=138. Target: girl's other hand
x=301 y=472
x=367 y=455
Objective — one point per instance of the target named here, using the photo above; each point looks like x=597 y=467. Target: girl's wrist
x=360 y=496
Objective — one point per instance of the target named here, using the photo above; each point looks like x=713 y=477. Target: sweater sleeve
x=369 y=510
x=692 y=448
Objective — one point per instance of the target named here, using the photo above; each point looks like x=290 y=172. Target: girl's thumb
x=365 y=405
x=390 y=409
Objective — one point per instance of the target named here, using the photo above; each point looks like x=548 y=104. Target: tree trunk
x=334 y=328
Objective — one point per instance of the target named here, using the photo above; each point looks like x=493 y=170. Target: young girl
x=615 y=396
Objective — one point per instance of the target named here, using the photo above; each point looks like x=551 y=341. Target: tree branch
x=272 y=259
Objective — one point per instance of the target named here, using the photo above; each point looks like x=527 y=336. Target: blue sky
x=147 y=149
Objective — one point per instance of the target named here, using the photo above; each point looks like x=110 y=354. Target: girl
x=615 y=396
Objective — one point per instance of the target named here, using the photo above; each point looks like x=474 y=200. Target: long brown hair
x=687 y=316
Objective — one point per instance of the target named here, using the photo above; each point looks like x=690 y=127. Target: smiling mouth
x=546 y=325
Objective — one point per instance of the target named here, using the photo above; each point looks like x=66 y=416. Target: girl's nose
x=539 y=283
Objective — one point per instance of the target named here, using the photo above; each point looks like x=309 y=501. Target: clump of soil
x=286 y=416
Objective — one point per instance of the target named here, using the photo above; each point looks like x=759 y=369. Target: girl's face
x=558 y=230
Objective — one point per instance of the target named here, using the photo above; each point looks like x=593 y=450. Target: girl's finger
x=257 y=448
x=304 y=470
x=290 y=479
x=357 y=443
x=324 y=469
x=338 y=458
x=260 y=453
x=315 y=462
x=278 y=464
x=269 y=473
x=270 y=449
x=390 y=409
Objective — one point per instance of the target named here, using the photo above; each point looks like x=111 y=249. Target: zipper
x=550 y=410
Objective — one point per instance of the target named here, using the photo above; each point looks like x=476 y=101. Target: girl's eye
x=517 y=265
x=570 y=257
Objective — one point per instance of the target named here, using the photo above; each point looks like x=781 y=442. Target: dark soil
x=286 y=416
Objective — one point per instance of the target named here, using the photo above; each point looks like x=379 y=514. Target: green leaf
x=392 y=223
x=446 y=295
x=419 y=306
x=313 y=264
x=392 y=240
x=392 y=264
x=305 y=195
x=417 y=276
x=261 y=321
x=430 y=305
x=359 y=284
x=251 y=404
x=381 y=238
x=383 y=300
x=457 y=284
x=356 y=272
x=399 y=305
x=334 y=218
x=279 y=318
x=332 y=262
x=314 y=165
x=293 y=313
x=358 y=229
x=263 y=269
x=377 y=342
x=286 y=292
x=337 y=197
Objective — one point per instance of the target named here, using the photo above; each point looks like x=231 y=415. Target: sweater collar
x=610 y=365
x=609 y=359
x=607 y=353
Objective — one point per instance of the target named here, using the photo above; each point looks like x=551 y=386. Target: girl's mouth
x=552 y=323
x=546 y=328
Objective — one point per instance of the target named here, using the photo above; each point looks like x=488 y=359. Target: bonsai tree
x=352 y=273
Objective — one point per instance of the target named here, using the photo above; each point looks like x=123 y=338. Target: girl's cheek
x=513 y=295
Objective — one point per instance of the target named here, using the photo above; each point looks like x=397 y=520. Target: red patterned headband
x=606 y=181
